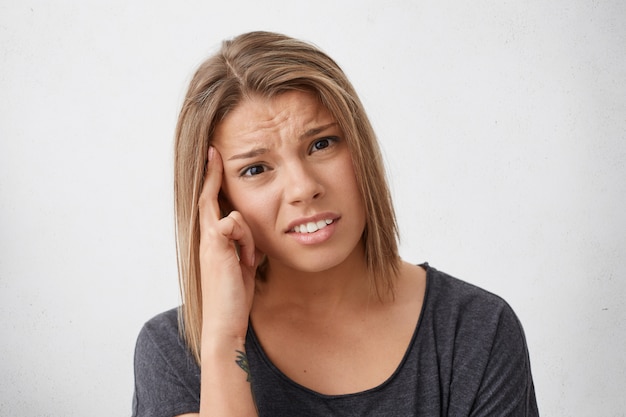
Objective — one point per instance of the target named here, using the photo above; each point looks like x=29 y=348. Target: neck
x=345 y=285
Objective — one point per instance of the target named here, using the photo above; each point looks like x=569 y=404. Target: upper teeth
x=311 y=227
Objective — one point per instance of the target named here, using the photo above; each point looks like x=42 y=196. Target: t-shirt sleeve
x=506 y=388
x=166 y=375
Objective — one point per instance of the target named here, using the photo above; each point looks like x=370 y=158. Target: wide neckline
x=280 y=374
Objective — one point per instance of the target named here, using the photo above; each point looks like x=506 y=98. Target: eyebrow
x=260 y=151
x=251 y=154
x=316 y=130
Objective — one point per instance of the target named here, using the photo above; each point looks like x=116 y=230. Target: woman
x=295 y=301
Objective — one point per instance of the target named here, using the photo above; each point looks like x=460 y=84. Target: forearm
x=225 y=387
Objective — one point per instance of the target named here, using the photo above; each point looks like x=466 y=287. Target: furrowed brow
x=260 y=151
x=250 y=154
x=317 y=130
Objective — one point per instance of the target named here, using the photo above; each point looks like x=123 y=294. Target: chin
x=311 y=262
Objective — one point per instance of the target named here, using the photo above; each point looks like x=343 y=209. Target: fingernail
x=211 y=152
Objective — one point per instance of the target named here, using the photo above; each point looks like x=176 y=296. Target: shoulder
x=481 y=344
x=161 y=348
x=160 y=344
x=163 y=324
x=451 y=297
x=471 y=324
x=167 y=378
x=160 y=333
x=442 y=283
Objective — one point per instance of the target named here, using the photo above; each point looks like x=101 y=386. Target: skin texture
x=276 y=164
x=285 y=162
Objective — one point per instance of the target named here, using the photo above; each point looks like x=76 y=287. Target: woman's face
x=288 y=171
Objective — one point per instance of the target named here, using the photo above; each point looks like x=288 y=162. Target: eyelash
x=245 y=172
x=330 y=139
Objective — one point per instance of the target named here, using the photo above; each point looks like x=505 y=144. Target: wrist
x=215 y=341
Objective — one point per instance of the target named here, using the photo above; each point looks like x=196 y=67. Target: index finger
x=208 y=204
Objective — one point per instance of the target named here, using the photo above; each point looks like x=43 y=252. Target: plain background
x=503 y=124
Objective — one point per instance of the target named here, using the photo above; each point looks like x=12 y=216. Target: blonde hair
x=268 y=64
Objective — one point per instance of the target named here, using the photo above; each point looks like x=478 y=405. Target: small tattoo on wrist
x=242 y=362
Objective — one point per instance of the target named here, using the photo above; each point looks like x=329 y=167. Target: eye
x=323 y=143
x=253 y=170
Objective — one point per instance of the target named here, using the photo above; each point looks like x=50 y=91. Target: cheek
x=345 y=171
x=256 y=205
x=236 y=195
x=350 y=189
x=261 y=218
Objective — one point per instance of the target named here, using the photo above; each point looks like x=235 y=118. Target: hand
x=228 y=260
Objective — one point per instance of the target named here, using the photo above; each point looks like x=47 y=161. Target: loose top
x=467 y=357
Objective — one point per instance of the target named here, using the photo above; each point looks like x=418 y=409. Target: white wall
x=503 y=124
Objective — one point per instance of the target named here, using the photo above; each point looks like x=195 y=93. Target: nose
x=302 y=184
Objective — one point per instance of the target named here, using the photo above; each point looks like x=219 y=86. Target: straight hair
x=268 y=64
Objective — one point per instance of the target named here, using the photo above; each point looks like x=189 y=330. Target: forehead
x=258 y=118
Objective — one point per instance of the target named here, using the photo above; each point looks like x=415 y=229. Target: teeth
x=312 y=226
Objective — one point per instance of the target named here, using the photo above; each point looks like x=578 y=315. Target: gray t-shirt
x=467 y=357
